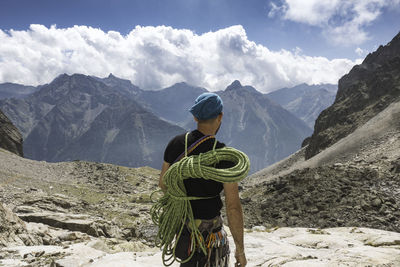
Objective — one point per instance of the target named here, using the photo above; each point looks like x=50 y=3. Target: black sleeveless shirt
x=202 y=208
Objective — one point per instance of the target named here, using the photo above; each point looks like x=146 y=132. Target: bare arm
x=164 y=168
x=235 y=220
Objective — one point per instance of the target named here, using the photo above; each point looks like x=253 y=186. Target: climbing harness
x=173 y=211
x=216 y=243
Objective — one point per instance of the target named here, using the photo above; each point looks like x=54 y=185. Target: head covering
x=207 y=106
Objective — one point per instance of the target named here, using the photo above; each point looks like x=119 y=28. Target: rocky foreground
x=91 y=214
x=92 y=198
x=264 y=247
x=307 y=198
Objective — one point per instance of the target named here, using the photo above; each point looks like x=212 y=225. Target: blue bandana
x=207 y=106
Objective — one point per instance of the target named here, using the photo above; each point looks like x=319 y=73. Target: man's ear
x=220 y=116
x=195 y=119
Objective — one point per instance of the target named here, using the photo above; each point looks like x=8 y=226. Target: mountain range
x=78 y=117
x=264 y=130
x=14 y=90
x=305 y=101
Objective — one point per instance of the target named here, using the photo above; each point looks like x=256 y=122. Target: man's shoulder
x=175 y=146
x=178 y=138
x=176 y=142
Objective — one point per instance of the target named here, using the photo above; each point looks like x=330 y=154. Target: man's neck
x=206 y=130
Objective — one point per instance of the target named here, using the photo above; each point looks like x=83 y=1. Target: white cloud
x=359 y=51
x=156 y=57
x=343 y=21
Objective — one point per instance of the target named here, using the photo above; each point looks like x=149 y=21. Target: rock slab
x=13 y=230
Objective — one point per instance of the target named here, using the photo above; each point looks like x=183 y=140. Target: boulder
x=74 y=222
x=13 y=230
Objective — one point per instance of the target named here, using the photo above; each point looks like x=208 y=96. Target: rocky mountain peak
x=112 y=78
x=383 y=53
x=76 y=76
x=237 y=88
x=234 y=85
x=61 y=76
x=65 y=79
x=124 y=86
x=180 y=86
x=76 y=86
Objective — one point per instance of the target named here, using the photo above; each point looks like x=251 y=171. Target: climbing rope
x=173 y=210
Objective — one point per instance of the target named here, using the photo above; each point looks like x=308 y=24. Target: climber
x=207 y=112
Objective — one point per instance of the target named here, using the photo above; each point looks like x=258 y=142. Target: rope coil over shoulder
x=173 y=210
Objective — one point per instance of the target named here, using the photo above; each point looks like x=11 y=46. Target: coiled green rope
x=172 y=210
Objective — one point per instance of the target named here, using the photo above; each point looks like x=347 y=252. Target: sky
x=208 y=43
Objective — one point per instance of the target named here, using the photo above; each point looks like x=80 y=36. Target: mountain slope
x=83 y=113
x=129 y=136
x=13 y=90
x=305 y=101
x=364 y=92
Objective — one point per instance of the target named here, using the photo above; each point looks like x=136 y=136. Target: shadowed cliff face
x=10 y=137
x=364 y=92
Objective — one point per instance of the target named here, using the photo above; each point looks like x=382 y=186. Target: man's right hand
x=240 y=259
